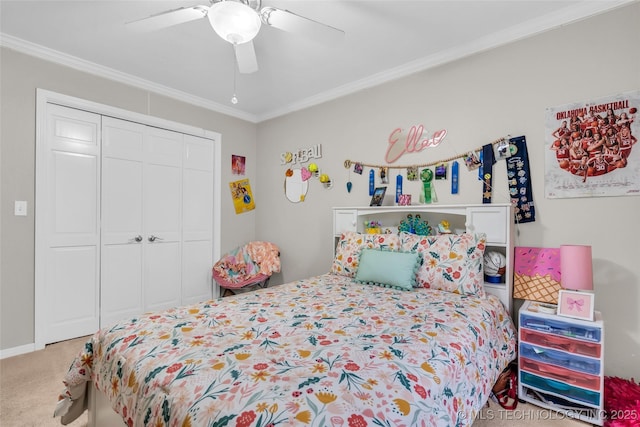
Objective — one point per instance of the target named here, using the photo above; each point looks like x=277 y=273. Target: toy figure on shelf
x=373 y=227
x=415 y=225
x=443 y=227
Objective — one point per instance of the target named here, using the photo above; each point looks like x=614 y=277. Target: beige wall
x=21 y=75
x=477 y=99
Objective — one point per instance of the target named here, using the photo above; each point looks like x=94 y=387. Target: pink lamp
x=576 y=271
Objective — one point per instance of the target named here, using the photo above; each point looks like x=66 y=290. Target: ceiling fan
x=238 y=22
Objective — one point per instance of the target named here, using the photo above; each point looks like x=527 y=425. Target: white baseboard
x=16 y=351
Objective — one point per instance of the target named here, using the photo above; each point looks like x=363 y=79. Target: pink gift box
x=404 y=199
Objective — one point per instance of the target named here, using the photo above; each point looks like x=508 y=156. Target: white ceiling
x=385 y=40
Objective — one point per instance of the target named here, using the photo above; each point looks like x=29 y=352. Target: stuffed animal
x=415 y=225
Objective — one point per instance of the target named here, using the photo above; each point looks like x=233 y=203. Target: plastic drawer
x=563 y=389
x=558 y=327
x=584 y=348
x=579 y=379
x=560 y=358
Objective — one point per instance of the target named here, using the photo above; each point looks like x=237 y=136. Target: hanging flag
x=488 y=160
x=519 y=176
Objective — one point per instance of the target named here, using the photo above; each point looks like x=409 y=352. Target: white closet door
x=197 y=220
x=68 y=230
x=122 y=230
x=124 y=221
x=162 y=219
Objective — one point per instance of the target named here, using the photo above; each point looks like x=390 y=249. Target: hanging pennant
x=488 y=161
x=372 y=182
x=454 y=177
x=398 y=187
x=519 y=174
x=426 y=176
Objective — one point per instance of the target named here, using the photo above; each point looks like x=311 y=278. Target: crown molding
x=530 y=28
x=80 y=64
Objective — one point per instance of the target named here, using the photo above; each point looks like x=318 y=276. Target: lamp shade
x=235 y=22
x=576 y=271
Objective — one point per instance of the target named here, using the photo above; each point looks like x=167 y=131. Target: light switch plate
x=20 y=208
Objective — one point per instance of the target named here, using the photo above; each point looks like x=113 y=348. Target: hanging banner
x=590 y=148
x=519 y=175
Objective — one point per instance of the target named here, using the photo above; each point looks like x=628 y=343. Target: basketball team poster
x=590 y=148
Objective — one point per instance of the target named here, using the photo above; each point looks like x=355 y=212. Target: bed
x=377 y=341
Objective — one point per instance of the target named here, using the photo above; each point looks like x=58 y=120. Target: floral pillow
x=345 y=263
x=452 y=262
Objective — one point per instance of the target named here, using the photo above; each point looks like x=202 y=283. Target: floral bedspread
x=323 y=351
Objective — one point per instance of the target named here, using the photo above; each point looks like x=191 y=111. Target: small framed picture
x=472 y=160
x=378 y=196
x=412 y=173
x=441 y=171
x=384 y=175
x=578 y=305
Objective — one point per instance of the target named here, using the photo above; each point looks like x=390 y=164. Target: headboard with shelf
x=495 y=220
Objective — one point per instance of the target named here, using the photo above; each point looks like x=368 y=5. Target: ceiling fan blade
x=246 y=57
x=289 y=21
x=169 y=18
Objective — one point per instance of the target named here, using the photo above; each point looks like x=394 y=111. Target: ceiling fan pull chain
x=234 y=98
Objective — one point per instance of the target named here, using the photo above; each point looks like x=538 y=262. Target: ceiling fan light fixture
x=234 y=21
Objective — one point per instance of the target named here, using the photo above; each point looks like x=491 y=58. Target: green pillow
x=388 y=268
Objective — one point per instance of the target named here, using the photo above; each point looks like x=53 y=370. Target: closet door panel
x=162 y=222
x=121 y=290
x=198 y=153
x=67 y=226
x=121 y=201
x=70 y=306
x=123 y=139
x=122 y=228
x=197 y=205
x=162 y=276
x=197 y=220
x=163 y=185
x=164 y=147
x=73 y=199
x=196 y=271
x=162 y=212
x=197 y=236
x=162 y=208
x=72 y=130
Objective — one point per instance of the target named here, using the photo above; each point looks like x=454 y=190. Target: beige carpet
x=30 y=384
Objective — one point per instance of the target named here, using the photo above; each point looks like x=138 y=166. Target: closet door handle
x=153 y=238
x=136 y=239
